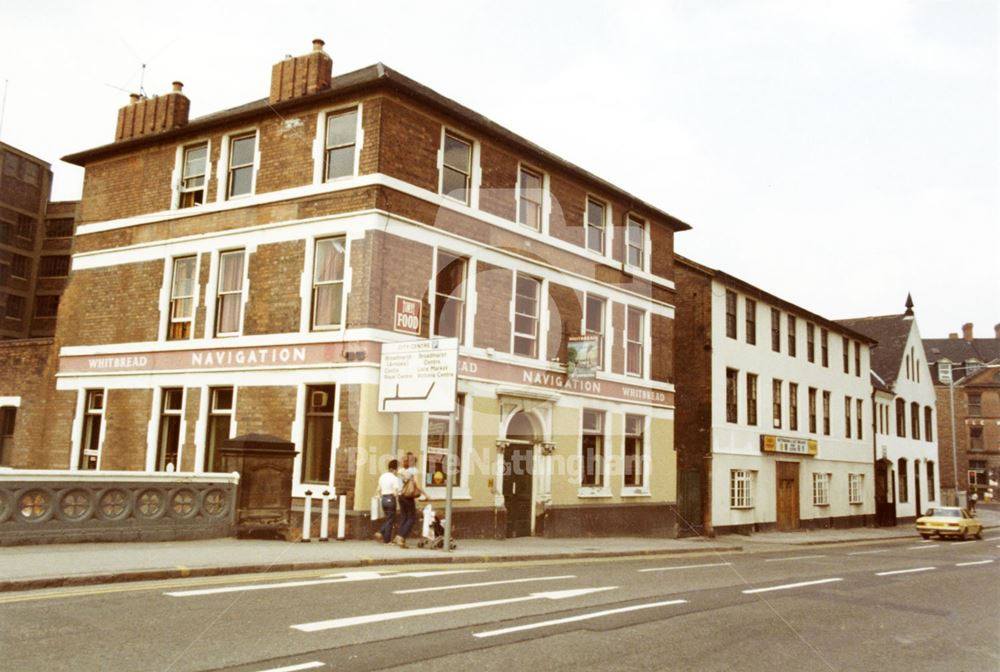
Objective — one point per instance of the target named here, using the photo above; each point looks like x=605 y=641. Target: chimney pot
x=178 y=87
x=318 y=44
x=996 y=330
x=134 y=98
x=953 y=336
x=967 y=331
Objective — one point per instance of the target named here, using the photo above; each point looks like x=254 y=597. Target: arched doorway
x=518 y=473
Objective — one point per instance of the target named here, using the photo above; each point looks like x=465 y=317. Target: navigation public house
x=237 y=274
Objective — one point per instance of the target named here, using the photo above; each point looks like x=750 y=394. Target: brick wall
x=346 y=468
x=266 y=410
x=97 y=301
x=398 y=266
x=494 y=286
x=274 y=303
x=693 y=375
x=565 y=315
x=409 y=144
x=662 y=346
x=127 y=414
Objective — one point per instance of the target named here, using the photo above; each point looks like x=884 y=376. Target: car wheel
x=962 y=535
x=926 y=536
x=979 y=533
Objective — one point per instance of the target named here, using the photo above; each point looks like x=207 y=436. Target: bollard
x=307 y=517
x=341 y=518
x=324 y=517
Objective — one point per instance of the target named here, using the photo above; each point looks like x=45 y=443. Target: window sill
x=822 y=505
x=635 y=492
x=741 y=508
x=593 y=493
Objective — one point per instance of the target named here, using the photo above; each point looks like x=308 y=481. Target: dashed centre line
x=574 y=619
x=884 y=550
x=670 y=569
x=905 y=571
x=798 y=557
x=788 y=586
x=970 y=564
x=920 y=548
x=480 y=585
x=296 y=668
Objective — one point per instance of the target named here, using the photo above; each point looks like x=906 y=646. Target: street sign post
x=421 y=377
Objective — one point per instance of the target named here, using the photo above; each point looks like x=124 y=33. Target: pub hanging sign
x=788 y=445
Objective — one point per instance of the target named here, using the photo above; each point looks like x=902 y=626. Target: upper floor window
x=46 y=305
x=328 y=282
x=53 y=266
x=751 y=398
x=593 y=324
x=793 y=407
x=928 y=423
x=824 y=345
x=810 y=342
x=812 y=410
x=635 y=242
x=900 y=418
x=193 y=171
x=847 y=354
x=975 y=438
x=32 y=172
x=859 y=410
x=857 y=359
x=20 y=266
x=775 y=330
x=915 y=420
x=59 y=228
x=776 y=403
x=449 y=296
x=15 y=307
x=456 y=177
x=241 y=157
x=595 y=225
x=792 y=336
x=847 y=417
x=634 y=323
x=730 y=314
x=732 y=376
x=526 y=313
x=751 y=320
x=529 y=209
x=182 y=299
x=826 y=413
x=341 y=144
x=229 y=298
x=975 y=404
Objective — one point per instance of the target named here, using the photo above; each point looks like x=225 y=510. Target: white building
x=907 y=469
x=774 y=409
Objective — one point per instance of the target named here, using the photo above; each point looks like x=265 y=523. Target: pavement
x=57 y=565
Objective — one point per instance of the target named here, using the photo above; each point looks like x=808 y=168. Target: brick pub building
x=237 y=273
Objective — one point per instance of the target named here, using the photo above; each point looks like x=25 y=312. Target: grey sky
x=838 y=154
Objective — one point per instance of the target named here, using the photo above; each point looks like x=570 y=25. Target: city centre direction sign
x=418 y=376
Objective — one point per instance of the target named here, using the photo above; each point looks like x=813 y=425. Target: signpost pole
x=394 y=450
x=449 y=475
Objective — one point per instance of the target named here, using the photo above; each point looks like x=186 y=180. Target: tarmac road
x=898 y=605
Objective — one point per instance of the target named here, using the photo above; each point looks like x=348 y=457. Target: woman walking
x=388 y=490
x=407 y=499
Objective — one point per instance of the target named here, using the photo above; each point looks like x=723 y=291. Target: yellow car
x=949 y=521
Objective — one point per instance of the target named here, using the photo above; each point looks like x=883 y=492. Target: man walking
x=388 y=490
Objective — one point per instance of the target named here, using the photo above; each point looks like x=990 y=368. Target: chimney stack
x=300 y=76
x=967 y=332
x=145 y=116
x=996 y=330
x=953 y=336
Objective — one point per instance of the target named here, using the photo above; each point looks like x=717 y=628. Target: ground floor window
x=741 y=489
x=317 y=444
x=634 y=450
x=593 y=449
x=8 y=416
x=90 y=441
x=854 y=488
x=821 y=489
x=931 y=495
x=904 y=494
x=220 y=419
x=169 y=440
x=436 y=455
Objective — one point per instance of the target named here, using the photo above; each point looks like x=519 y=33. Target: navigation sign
x=408 y=315
x=418 y=376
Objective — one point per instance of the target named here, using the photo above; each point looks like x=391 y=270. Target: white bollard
x=341 y=517
x=307 y=517
x=324 y=518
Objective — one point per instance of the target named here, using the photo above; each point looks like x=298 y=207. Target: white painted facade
x=737 y=446
x=916 y=455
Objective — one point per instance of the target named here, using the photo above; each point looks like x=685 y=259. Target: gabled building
x=238 y=273
x=907 y=465
x=774 y=419
x=968 y=408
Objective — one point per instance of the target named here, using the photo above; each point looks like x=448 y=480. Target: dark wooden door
x=916 y=487
x=788 y=495
x=690 y=501
x=885 y=509
x=517 y=488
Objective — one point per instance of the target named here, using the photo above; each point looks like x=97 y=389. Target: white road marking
x=789 y=585
x=884 y=550
x=574 y=619
x=295 y=668
x=797 y=557
x=970 y=564
x=670 y=569
x=959 y=543
x=920 y=548
x=478 y=585
x=905 y=571
x=428 y=611
x=341 y=578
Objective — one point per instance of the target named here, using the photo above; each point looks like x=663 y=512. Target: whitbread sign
x=418 y=376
